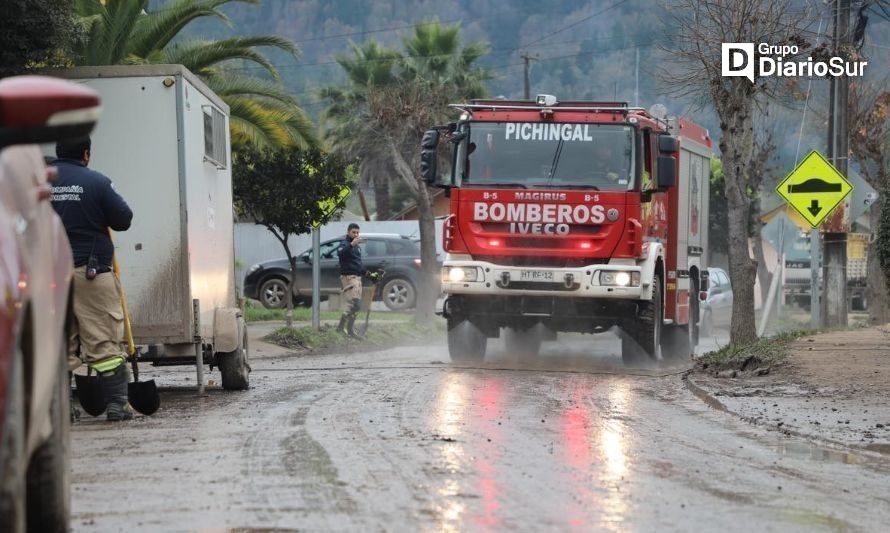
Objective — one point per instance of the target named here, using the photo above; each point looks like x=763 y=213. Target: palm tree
x=390 y=99
x=370 y=66
x=125 y=31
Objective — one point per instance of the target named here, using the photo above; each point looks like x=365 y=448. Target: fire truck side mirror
x=668 y=144
x=428 y=157
x=667 y=172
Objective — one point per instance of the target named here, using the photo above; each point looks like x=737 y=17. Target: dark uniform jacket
x=88 y=205
x=350 y=258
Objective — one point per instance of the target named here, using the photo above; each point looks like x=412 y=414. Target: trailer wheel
x=523 y=344
x=233 y=366
x=466 y=342
x=49 y=484
x=650 y=322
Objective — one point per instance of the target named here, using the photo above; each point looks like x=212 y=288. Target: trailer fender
x=226 y=334
x=654 y=255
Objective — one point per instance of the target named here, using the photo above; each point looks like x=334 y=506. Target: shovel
x=368 y=298
x=89 y=392
x=143 y=395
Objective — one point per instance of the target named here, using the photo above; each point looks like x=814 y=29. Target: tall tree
x=283 y=190
x=702 y=26
x=392 y=101
x=36 y=33
x=869 y=118
x=128 y=31
x=370 y=67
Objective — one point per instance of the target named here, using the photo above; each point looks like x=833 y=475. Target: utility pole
x=527 y=59
x=637 y=79
x=834 y=273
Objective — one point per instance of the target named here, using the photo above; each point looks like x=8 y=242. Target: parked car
x=716 y=310
x=35 y=273
x=399 y=256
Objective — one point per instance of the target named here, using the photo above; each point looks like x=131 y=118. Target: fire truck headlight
x=619 y=279
x=461 y=274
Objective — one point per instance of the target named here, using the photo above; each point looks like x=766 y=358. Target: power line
x=572 y=25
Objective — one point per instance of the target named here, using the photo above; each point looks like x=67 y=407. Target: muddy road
x=401 y=440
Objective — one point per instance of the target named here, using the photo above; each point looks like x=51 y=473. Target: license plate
x=535 y=275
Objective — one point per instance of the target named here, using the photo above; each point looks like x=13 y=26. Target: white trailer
x=164 y=142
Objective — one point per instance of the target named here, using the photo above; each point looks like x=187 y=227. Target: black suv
x=399 y=256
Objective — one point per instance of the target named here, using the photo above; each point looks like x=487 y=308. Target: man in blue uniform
x=351 y=271
x=89 y=205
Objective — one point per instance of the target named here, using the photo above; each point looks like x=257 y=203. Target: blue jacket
x=88 y=205
x=350 y=258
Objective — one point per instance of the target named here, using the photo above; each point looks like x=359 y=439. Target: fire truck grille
x=539 y=261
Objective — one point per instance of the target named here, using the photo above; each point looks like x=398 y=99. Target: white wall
x=255 y=243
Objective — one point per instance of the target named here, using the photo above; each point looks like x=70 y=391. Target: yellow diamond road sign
x=814 y=188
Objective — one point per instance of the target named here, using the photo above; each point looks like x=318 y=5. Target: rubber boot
x=350 y=328
x=114 y=387
x=350 y=324
x=341 y=327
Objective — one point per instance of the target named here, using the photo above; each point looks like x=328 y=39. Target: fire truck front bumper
x=624 y=282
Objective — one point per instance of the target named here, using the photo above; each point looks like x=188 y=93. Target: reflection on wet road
x=402 y=440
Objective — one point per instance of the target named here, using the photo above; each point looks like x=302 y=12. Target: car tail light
x=417 y=262
x=703 y=295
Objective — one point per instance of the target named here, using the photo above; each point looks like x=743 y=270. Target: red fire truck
x=571 y=217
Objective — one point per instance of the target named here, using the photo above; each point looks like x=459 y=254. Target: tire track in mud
x=288 y=472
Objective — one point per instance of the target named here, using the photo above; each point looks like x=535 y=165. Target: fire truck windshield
x=538 y=154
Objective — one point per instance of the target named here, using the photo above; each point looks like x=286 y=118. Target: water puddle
x=803 y=450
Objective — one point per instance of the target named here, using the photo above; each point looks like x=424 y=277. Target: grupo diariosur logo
x=738 y=59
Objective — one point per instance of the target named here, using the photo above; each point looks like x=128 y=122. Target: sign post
x=328 y=206
x=814 y=189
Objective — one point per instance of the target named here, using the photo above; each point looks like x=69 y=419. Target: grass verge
x=304 y=314
x=328 y=339
x=765 y=352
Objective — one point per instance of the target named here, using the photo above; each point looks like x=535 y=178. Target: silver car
x=716 y=310
x=35 y=276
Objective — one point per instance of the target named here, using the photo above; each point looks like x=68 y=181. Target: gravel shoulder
x=833 y=387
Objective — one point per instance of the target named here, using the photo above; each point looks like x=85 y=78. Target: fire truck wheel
x=523 y=344
x=466 y=342
x=650 y=322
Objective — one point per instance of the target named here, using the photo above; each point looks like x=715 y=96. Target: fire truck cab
x=571 y=217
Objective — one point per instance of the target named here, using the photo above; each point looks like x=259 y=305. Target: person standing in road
x=89 y=205
x=351 y=271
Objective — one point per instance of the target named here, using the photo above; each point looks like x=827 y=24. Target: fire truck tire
x=650 y=323
x=523 y=344
x=466 y=342
x=49 y=484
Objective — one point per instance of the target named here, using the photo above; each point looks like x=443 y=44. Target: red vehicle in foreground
x=575 y=217
x=35 y=276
